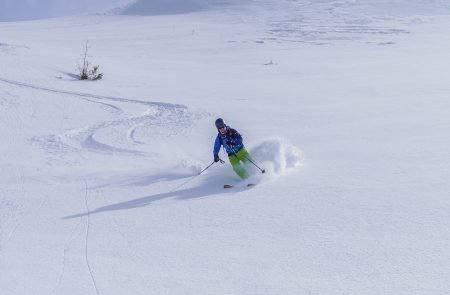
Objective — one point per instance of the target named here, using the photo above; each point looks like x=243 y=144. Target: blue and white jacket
x=231 y=140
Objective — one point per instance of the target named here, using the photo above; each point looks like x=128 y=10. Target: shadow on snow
x=183 y=194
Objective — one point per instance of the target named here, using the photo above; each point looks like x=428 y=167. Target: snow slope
x=152 y=7
x=345 y=103
x=19 y=10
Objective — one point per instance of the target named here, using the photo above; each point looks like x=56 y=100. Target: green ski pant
x=239 y=161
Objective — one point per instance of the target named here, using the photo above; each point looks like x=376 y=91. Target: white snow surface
x=19 y=10
x=344 y=103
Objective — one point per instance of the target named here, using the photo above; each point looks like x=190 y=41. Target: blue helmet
x=220 y=123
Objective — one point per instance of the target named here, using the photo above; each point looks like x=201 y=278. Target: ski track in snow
x=86 y=249
x=157 y=115
x=10 y=211
x=73 y=235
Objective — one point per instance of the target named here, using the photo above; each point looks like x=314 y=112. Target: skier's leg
x=244 y=156
x=238 y=167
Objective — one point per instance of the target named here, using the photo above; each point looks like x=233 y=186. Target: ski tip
x=231 y=186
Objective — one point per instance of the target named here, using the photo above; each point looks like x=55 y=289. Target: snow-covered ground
x=344 y=103
x=14 y=10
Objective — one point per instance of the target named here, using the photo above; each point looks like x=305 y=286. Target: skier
x=232 y=142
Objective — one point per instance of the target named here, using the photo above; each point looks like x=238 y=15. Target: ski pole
x=193 y=176
x=262 y=170
x=221 y=161
x=250 y=160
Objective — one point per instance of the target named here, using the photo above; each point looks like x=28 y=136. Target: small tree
x=86 y=73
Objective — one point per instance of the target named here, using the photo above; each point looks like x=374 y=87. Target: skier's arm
x=217 y=146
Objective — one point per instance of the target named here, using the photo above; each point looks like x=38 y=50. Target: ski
x=231 y=186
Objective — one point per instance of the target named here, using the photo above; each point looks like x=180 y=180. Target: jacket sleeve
x=217 y=145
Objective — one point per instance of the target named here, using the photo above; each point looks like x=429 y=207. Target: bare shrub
x=85 y=70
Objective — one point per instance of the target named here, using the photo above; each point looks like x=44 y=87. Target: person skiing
x=233 y=144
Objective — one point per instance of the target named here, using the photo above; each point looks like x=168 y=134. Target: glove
x=216 y=158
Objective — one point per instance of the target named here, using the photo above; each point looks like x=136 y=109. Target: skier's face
x=223 y=129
